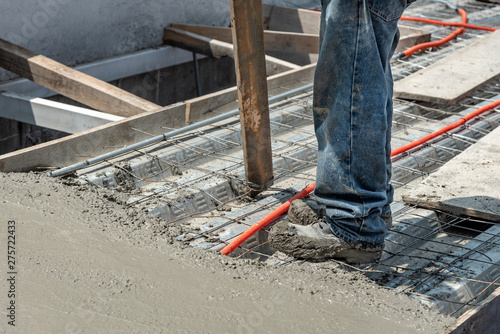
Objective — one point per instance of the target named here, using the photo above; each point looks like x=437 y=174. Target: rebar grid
x=421 y=253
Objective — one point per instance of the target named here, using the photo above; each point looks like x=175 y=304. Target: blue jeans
x=353 y=115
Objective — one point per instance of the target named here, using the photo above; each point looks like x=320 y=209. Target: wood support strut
x=249 y=56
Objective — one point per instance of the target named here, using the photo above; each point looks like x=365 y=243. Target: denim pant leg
x=353 y=114
x=389 y=110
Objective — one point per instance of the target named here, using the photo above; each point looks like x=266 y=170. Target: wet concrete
x=89 y=264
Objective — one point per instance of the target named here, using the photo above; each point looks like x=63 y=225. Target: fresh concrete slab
x=469 y=184
x=452 y=78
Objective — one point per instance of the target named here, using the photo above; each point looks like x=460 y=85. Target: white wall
x=78 y=31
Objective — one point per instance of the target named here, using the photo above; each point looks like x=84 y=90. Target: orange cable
x=445 y=40
x=449 y=24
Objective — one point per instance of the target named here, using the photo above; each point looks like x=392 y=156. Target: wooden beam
x=273 y=40
x=307 y=22
x=93 y=142
x=51 y=114
x=110 y=69
x=295 y=21
x=215 y=48
x=455 y=77
x=71 y=83
x=249 y=58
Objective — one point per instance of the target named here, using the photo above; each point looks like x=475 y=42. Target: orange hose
x=444 y=130
x=449 y=24
x=445 y=40
x=270 y=218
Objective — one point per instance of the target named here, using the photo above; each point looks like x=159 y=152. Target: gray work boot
x=317 y=241
x=306 y=212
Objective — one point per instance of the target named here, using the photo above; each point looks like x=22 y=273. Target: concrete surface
x=88 y=264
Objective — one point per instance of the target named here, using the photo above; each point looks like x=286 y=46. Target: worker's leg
x=386 y=210
x=352 y=116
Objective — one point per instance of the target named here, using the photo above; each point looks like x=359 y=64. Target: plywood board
x=410 y=36
x=452 y=78
x=468 y=185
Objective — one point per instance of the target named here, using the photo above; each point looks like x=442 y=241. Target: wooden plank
x=202 y=107
x=96 y=141
x=468 y=185
x=51 y=114
x=249 y=58
x=451 y=79
x=71 y=83
x=215 y=48
x=410 y=36
x=483 y=319
x=273 y=40
x=308 y=22
x=110 y=69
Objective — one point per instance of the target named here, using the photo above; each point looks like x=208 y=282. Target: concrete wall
x=16 y=135
x=76 y=31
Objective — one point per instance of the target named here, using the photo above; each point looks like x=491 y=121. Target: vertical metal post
x=197 y=74
x=250 y=64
